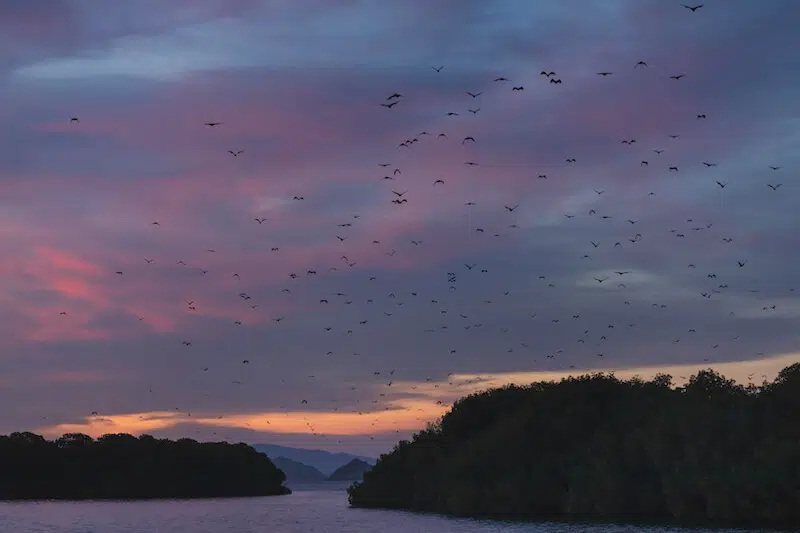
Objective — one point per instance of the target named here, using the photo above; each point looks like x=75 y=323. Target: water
x=311 y=509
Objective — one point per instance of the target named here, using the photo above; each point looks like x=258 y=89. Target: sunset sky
x=297 y=87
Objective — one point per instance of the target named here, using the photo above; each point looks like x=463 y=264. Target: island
x=352 y=471
x=121 y=466
x=596 y=448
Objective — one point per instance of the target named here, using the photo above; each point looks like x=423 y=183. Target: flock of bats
x=458 y=318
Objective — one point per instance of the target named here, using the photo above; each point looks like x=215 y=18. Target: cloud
x=72 y=376
x=362 y=285
x=410 y=406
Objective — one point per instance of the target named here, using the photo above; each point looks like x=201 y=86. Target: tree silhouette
x=121 y=466
x=598 y=448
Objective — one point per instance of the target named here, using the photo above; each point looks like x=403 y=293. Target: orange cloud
x=410 y=406
x=135 y=424
x=744 y=372
x=401 y=415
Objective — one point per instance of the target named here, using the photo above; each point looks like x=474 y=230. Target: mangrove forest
x=597 y=448
x=121 y=466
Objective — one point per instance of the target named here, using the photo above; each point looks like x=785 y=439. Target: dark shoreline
x=595 y=449
x=67 y=499
x=121 y=467
x=596 y=521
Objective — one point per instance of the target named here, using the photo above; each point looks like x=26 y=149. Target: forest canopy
x=599 y=448
x=121 y=466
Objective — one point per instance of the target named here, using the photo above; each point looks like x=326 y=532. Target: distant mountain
x=352 y=471
x=297 y=472
x=325 y=462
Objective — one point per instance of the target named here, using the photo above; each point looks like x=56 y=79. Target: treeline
x=596 y=448
x=121 y=466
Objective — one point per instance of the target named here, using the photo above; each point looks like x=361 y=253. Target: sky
x=272 y=237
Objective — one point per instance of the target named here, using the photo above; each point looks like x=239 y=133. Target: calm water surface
x=308 y=510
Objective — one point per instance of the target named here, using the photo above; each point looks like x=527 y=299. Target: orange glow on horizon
x=402 y=415
x=426 y=402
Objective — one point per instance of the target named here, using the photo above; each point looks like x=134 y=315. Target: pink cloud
x=84 y=285
x=72 y=376
x=302 y=137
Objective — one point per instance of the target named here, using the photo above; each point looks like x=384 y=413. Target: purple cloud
x=321 y=293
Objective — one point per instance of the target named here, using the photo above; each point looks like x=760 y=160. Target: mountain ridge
x=324 y=461
x=298 y=473
x=352 y=471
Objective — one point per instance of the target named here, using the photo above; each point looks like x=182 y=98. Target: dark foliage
x=121 y=466
x=599 y=448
